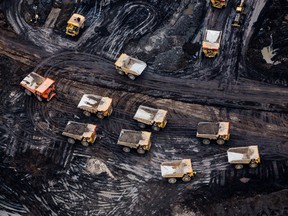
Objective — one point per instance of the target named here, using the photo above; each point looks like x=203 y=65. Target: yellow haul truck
x=240 y=156
x=150 y=116
x=175 y=169
x=219 y=3
x=75 y=23
x=239 y=14
x=101 y=106
x=211 y=43
x=139 y=140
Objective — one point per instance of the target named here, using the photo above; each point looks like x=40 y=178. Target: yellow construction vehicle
x=239 y=14
x=219 y=3
x=74 y=24
x=211 y=43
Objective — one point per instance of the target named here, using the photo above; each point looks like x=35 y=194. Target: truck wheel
x=120 y=72
x=141 y=150
x=100 y=115
x=126 y=149
x=206 y=141
x=220 y=141
x=131 y=76
x=155 y=128
x=84 y=143
x=27 y=92
x=141 y=125
x=86 y=113
x=253 y=165
x=238 y=166
x=186 y=178
x=39 y=98
x=71 y=140
x=172 y=180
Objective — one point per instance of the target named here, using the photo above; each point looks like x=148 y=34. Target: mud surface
x=246 y=84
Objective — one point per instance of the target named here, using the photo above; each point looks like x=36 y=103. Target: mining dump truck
x=86 y=133
x=219 y=131
x=239 y=14
x=43 y=88
x=132 y=67
x=74 y=24
x=172 y=170
x=139 y=140
x=244 y=155
x=219 y=3
x=150 y=116
x=211 y=43
x=101 y=106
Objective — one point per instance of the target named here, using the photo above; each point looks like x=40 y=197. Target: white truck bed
x=130 y=63
x=242 y=154
x=213 y=128
x=176 y=168
x=212 y=39
x=133 y=139
x=149 y=115
x=79 y=130
x=94 y=103
x=32 y=81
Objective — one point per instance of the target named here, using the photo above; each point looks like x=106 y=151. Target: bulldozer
x=239 y=156
x=75 y=23
x=175 y=169
x=91 y=103
x=139 y=140
x=219 y=3
x=219 y=131
x=239 y=14
x=130 y=66
x=43 y=88
x=211 y=43
x=150 y=116
x=86 y=133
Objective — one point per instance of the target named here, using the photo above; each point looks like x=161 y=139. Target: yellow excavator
x=239 y=14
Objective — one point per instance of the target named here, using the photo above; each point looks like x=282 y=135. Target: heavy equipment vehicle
x=91 y=103
x=239 y=156
x=150 y=116
x=219 y=3
x=175 y=169
x=219 y=131
x=132 y=67
x=211 y=43
x=239 y=14
x=74 y=24
x=43 y=88
x=131 y=139
x=86 y=133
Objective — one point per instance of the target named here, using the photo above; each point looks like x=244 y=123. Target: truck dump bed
x=76 y=20
x=242 y=154
x=132 y=64
x=176 y=168
x=94 y=103
x=213 y=128
x=35 y=82
x=79 y=130
x=150 y=115
x=133 y=139
x=212 y=39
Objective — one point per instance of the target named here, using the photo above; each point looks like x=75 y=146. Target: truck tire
x=253 y=165
x=220 y=141
x=206 y=141
x=155 y=128
x=100 y=115
x=27 y=92
x=126 y=149
x=71 y=140
x=131 y=76
x=120 y=72
x=39 y=98
x=141 y=151
x=172 y=180
x=141 y=125
x=186 y=178
x=84 y=143
x=238 y=166
x=86 y=113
